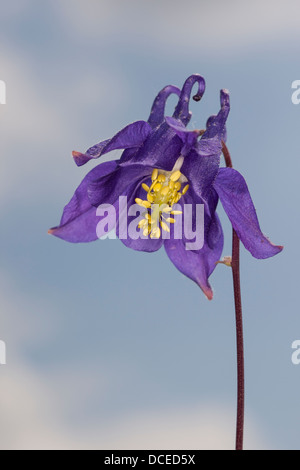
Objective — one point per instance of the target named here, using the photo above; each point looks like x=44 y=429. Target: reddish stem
x=235 y=265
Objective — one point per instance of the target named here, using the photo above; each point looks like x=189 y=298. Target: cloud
x=205 y=27
x=45 y=408
x=40 y=127
x=28 y=121
x=204 y=427
x=12 y=9
x=31 y=418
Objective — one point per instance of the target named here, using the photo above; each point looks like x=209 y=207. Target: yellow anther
x=154 y=174
x=142 y=203
x=142 y=223
x=174 y=198
x=161 y=178
x=152 y=185
x=185 y=189
x=145 y=187
x=165 y=190
x=162 y=194
x=164 y=226
x=175 y=176
x=155 y=233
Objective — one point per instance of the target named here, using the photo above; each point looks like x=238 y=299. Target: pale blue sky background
x=106 y=347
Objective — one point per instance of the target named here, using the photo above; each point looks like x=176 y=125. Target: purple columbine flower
x=165 y=164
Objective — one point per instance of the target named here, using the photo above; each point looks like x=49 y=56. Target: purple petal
x=235 y=197
x=198 y=265
x=188 y=137
x=127 y=155
x=170 y=139
x=201 y=165
x=94 y=152
x=210 y=206
x=216 y=125
x=132 y=136
x=160 y=150
x=148 y=245
x=182 y=108
x=158 y=109
x=107 y=188
x=201 y=170
x=79 y=220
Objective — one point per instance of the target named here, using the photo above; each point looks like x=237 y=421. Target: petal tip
x=79 y=158
x=224 y=98
x=279 y=249
x=197 y=97
x=207 y=291
x=209 y=294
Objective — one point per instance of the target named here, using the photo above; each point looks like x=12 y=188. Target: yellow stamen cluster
x=163 y=193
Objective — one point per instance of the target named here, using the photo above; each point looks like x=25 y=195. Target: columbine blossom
x=165 y=165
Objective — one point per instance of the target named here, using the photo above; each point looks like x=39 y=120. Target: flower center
x=163 y=193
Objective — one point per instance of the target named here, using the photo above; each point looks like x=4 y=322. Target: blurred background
x=106 y=347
